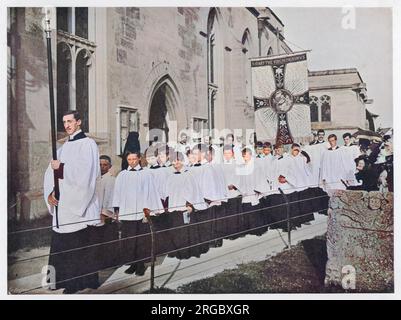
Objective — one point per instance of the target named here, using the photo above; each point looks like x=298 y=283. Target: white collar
x=138 y=167
x=75 y=133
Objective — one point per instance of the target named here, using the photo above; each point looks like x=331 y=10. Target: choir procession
x=210 y=149
x=198 y=194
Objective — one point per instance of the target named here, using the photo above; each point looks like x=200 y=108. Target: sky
x=338 y=40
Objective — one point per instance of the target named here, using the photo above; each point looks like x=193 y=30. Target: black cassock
x=184 y=237
x=72 y=258
x=105 y=251
x=233 y=219
x=135 y=242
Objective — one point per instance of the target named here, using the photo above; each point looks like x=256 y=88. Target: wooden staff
x=52 y=112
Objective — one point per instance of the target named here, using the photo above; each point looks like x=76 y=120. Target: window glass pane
x=82 y=97
x=133 y=121
x=62 y=19
x=326 y=108
x=81 y=22
x=314 y=113
x=124 y=118
x=124 y=135
x=326 y=112
x=314 y=116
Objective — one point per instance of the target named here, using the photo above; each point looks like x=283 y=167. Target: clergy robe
x=219 y=209
x=267 y=175
x=105 y=236
x=353 y=152
x=302 y=172
x=335 y=165
x=320 y=203
x=78 y=207
x=134 y=191
x=232 y=217
x=160 y=175
x=315 y=152
x=277 y=206
x=251 y=181
x=182 y=240
x=212 y=188
x=105 y=192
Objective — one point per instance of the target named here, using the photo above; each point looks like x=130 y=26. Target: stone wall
x=360 y=241
x=29 y=135
x=135 y=49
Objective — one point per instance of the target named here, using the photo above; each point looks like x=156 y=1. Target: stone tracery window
x=325 y=103
x=320 y=108
x=212 y=42
x=74 y=60
x=314 y=109
x=199 y=124
x=246 y=47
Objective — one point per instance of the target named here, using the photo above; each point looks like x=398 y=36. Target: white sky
x=368 y=47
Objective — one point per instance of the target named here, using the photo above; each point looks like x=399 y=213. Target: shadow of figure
x=316 y=251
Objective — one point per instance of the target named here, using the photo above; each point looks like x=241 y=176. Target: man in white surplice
x=350 y=148
x=284 y=173
x=105 y=187
x=301 y=168
x=210 y=180
x=134 y=190
x=77 y=170
x=335 y=169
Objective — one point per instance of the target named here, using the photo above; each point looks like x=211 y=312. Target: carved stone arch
x=214 y=16
x=66 y=46
x=215 y=63
x=163 y=77
x=88 y=53
x=162 y=72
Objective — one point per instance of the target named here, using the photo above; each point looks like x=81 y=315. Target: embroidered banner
x=281 y=98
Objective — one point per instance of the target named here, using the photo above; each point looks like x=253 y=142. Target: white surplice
x=335 y=166
x=134 y=191
x=78 y=204
x=182 y=188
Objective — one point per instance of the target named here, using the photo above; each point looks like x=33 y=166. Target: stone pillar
x=360 y=241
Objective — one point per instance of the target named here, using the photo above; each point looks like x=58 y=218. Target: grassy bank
x=299 y=270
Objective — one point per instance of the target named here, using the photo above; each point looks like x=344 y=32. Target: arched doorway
x=162 y=111
x=157 y=116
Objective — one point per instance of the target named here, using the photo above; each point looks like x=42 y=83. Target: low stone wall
x=360 y=241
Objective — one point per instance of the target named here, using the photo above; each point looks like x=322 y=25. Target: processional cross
x=281 y=101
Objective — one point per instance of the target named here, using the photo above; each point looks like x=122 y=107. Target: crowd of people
x=197 y=193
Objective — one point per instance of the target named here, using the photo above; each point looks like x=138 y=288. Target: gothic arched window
x=325 y=105
x=74 y=52
x=213 y=86
x=246 y=46
x=314 y=109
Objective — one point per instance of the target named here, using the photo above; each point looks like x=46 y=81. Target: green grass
x=299 y=270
